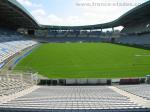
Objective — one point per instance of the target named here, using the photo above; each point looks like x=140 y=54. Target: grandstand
x=26 y=91
x=12 y=43
x=144 y=90
x=142 y=40
x=73 y=98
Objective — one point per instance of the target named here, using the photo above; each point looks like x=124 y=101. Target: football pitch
x=87 y=60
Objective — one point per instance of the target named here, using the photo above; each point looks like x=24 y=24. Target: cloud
x=46 y=19
x=102 y=11
x=51 y=19
x=82 y=15
x=28 y=3
x=25 y=2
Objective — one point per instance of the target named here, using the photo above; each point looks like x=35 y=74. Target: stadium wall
x=90 y=81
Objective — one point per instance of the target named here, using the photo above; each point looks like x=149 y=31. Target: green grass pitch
x=87 y=60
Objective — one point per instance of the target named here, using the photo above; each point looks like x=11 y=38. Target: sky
x=78 y=12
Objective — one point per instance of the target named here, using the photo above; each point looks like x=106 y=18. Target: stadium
x=55 y=68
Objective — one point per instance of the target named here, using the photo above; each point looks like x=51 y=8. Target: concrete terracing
x=134 y=98
x=76 y=98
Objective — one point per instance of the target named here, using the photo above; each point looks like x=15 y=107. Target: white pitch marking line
x=142 y=55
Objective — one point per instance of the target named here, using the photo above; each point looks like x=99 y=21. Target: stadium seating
x=76 y=97
x=135 y=39
x=137 y=28
x=95 y=34
x=74 y=39
x=72 y=35
x=12 y=43
x=140 y=90
x=11 y=84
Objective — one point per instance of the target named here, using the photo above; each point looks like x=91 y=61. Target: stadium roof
x=15 y=15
